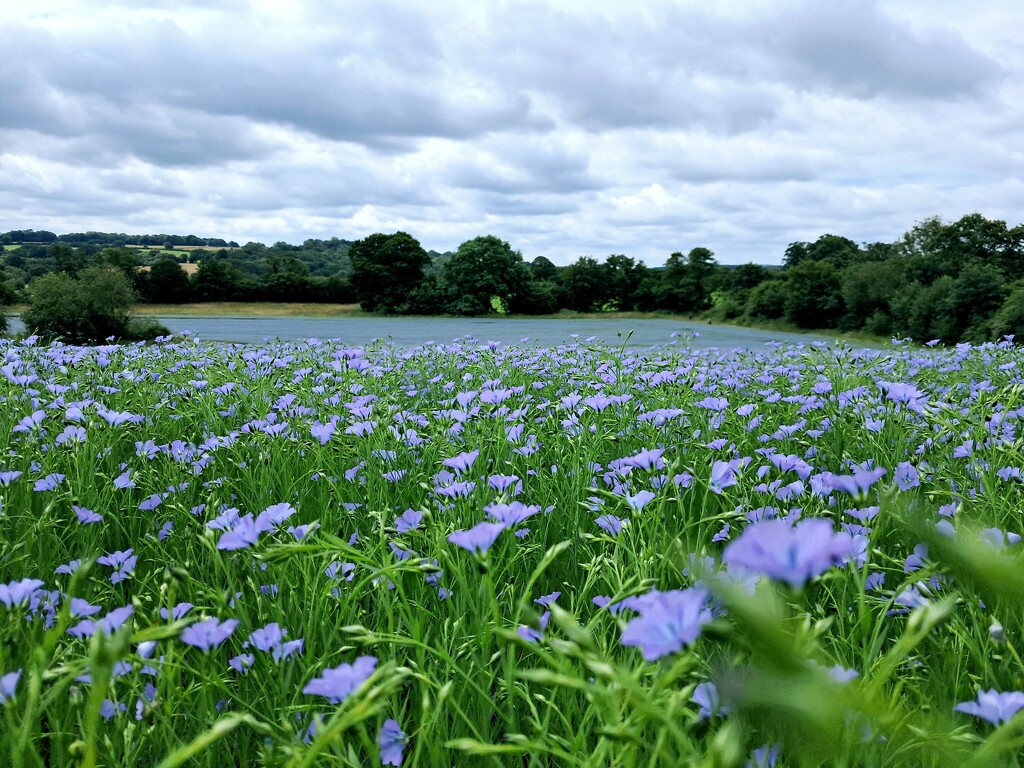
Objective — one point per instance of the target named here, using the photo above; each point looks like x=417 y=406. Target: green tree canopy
x=584 y=285
x=166 y=283
x=813 y=298
x=92 y=307
x=484 y=276
x=386 y=269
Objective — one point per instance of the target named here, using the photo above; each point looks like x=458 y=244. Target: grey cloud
x=522 y=167
x=852 y=46
x=377 y=84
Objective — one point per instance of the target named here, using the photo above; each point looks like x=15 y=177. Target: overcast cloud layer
x=568 y=128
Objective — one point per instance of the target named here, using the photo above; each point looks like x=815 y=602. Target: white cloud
x=570 y=128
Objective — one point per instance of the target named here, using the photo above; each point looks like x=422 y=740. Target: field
x=249 y=309
x=469 y=554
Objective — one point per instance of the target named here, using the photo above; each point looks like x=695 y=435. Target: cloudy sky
x=566 y=127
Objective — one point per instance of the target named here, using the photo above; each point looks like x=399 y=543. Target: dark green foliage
x=485 y=276
x=840 y=252
x=6 y=298
x=584 y=285
x=90 y=308
x=688 y=282
x=541 y=268
x=868 y=289
x=166 y=283
x=218 y=280
x=766 y=300
x=386 y=269
x=540 y=298
x=1009 y=320
x=812 y=295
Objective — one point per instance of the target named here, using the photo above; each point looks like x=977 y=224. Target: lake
x=413 y=331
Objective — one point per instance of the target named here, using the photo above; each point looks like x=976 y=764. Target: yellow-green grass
x=250 y=309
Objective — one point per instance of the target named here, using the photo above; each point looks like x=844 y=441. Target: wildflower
x=177 y=612
x=8 y=477
x=511 y=514
x=7 y=685
x=764 y=757
x=646 y=459
x=206 y=635
x=462 y=462
x=124 y=480
x=81 y=608
x=667 y=622
x=993 y=706
x=18 y=592
x=123 y=563
x=408 y=521
x=706 y=696
x=611 y=524
x=906 y=476
x=242 y=663
x=859 y=483
x=792 y=554
x=724 y=475
x=48 y=483
x=531 y=635
x=639 y=500
x=108 y=625
x=301 y=531
x=339 y=683
x=479 y=538
x=391 y=741
x=243 y=535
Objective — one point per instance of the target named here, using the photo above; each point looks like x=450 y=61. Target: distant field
x=260 y=309
x=11 y=247
x=179 y=248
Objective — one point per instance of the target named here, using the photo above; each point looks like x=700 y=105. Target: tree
x=65 y=259
x=542 y=268
x=6 y=298
x=687 y=283
x=624 y=277
x=767 y=300
x=216 y=280
x=584 y=285
x=485 y=276
x=167 y=283
x=1009 y=320
x=867 y=290
x=813 y=299
x=92 y=307
x=386 y=269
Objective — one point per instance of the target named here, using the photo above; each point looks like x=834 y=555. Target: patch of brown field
x=250 y=309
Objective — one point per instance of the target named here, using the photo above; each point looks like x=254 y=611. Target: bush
x=92 y=307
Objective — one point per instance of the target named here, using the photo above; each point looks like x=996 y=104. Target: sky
x=570 y=128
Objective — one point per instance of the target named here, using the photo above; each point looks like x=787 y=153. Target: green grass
x=197 y=430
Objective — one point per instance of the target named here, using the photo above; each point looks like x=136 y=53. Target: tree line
x=957 y=281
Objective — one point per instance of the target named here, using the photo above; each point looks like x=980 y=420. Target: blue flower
x=208 y=634
x=18 y=592
x=667 y=622
x=793 y=554
x=391 y=741
x=339 y=683
x=993 y=706
x=7 y=685
x=479 y=538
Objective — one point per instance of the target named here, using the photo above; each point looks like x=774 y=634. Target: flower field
x=471 y=554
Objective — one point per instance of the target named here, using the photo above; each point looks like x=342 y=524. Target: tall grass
x=129 y=473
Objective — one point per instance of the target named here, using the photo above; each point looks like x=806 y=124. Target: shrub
x=94 y=306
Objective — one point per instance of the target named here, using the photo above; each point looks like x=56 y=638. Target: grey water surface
x=414 y=331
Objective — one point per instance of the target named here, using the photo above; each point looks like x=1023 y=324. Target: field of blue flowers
x=473 y=554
